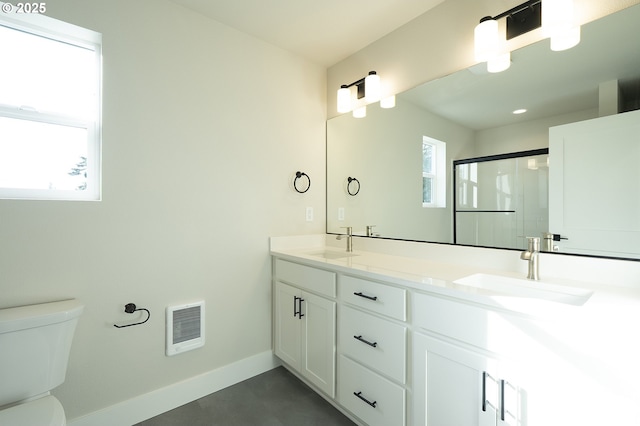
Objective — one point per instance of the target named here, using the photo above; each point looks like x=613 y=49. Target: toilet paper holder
x=131 y=308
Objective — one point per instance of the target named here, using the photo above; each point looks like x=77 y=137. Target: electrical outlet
x=309 y=214
x=340 y=213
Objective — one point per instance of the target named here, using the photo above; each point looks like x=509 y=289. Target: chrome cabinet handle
x=365 y=296
x=359 y=395
x=372 y=344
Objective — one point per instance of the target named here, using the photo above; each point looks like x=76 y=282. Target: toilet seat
x=45 y=411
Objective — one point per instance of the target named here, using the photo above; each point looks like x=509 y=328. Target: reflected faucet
x=531 y=255
x=349 y=237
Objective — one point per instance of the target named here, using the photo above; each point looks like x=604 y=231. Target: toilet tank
x=35 y=341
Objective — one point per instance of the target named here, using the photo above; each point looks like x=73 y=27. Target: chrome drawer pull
x=365 y=296
x=359 y=395
x=374 y=344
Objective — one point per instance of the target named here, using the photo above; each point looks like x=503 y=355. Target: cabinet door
x=288 y=326
x=449 y=388
x=319 y=341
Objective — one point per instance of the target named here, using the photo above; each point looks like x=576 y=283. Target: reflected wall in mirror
x=470 y=114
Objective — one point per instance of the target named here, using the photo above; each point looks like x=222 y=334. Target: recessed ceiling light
x=520 y=111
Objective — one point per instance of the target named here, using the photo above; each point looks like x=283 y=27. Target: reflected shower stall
x=501 y=199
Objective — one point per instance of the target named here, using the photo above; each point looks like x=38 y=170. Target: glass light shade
x=372 y=88
x=557 y=15
x=486 y=40
x=388 y=102
x=499 y=63
x=558 y=23
x=344 y=100
x=360 y=112
x=565 y=40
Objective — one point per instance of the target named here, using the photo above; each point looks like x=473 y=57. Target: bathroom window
x=50 y=97
x=434 y=180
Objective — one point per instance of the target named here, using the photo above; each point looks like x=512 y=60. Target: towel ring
x=295 y=181
x=352 y=179
x=131 y=308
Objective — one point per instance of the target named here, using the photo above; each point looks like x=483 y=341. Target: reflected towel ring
x=295 y=181
x=352 y=179
x=131 y=308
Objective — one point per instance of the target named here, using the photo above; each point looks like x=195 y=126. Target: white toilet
x=35 y=341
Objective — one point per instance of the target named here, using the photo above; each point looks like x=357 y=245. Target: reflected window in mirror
x=434 y=177
x=468 y=180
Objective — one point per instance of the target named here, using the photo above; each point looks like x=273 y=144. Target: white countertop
x=439 y=276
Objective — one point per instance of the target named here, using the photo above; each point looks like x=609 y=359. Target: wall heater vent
x=185 y=327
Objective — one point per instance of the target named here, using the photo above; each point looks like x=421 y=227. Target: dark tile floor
x=274 y=398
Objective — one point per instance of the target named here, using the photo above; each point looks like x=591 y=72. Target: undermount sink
x=527 y=288
x=327 y=254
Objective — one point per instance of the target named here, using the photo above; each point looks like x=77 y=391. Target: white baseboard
x=135 y=410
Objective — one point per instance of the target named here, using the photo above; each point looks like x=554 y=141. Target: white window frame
x=54 y=29
x=438 y=172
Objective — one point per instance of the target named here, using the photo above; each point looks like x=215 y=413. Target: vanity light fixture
x=556 y=18
x=368 y=88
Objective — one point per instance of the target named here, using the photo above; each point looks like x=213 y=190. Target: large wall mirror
x=391 y=174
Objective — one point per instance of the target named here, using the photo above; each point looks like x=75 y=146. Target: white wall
x=204 y=129
x=524 y=136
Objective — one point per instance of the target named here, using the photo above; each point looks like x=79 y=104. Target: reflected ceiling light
x=519 y=111
x=368 y=88
x=556 y=18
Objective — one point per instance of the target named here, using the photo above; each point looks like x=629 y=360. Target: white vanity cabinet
x=305 y=322
x=457 y=386
x=372 y=342
x=405 y=343
x=456 y=381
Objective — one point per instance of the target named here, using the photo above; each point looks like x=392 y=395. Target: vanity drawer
x=376 y=297
x=456 y=320
x=380 y=401
x=374 y=342
x=306 y=277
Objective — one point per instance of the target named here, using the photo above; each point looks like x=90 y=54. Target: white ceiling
x=323 y=31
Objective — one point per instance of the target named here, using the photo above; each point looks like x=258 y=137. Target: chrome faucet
x=349 y=237
x=370 y=231
x=531 y=255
